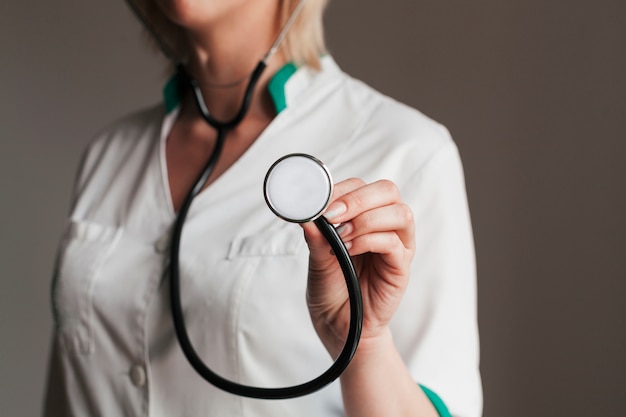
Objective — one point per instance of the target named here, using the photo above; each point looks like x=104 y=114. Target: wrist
x=373 y=349
x=369 y=343
x=377 y=382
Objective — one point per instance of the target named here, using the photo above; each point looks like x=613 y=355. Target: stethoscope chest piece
x=298 y=188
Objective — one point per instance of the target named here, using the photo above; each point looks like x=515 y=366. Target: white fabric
x=243 y=271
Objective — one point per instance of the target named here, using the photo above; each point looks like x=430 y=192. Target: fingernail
x=335 y=210
x=344 y=229
x=347 y=245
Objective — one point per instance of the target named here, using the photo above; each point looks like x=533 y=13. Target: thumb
x=319 y=248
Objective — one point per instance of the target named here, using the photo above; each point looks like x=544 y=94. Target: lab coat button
x=138 y=375
x=162 y=244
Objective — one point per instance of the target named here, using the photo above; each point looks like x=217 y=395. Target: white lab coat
x=243 y=271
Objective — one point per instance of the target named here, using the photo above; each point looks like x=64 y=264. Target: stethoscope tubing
x=219 y=125
x=331 y=374
x=222 y=128
x=328 y=231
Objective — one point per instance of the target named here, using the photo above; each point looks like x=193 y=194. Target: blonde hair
x=303 y=44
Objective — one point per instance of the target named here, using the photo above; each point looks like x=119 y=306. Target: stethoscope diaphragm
x=298 y=188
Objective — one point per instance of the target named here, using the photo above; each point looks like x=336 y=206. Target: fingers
x=341 y=189
x=313 y=236
x=354 y=196
x=367 y=209
x=396 y=217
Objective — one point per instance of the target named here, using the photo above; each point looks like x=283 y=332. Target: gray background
x=534 y=93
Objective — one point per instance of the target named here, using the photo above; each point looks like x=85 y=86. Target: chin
x=196 y=13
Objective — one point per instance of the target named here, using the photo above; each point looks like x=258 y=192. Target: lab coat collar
x=284 y=87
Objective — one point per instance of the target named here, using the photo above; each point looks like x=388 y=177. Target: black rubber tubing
x=327 y=229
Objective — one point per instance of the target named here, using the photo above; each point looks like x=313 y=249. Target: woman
x=242 y=270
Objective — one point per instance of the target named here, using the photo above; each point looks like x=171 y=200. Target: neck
x=224 y=56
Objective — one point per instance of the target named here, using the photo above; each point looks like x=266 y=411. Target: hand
x=379 y=232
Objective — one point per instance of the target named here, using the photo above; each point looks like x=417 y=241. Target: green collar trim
x=276 y=86
x=174 y=89
x=172 y=92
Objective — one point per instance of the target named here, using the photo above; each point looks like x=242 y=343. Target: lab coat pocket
x=84 y=249
x=283 y=239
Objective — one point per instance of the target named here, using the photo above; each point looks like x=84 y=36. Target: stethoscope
x=297 y=188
